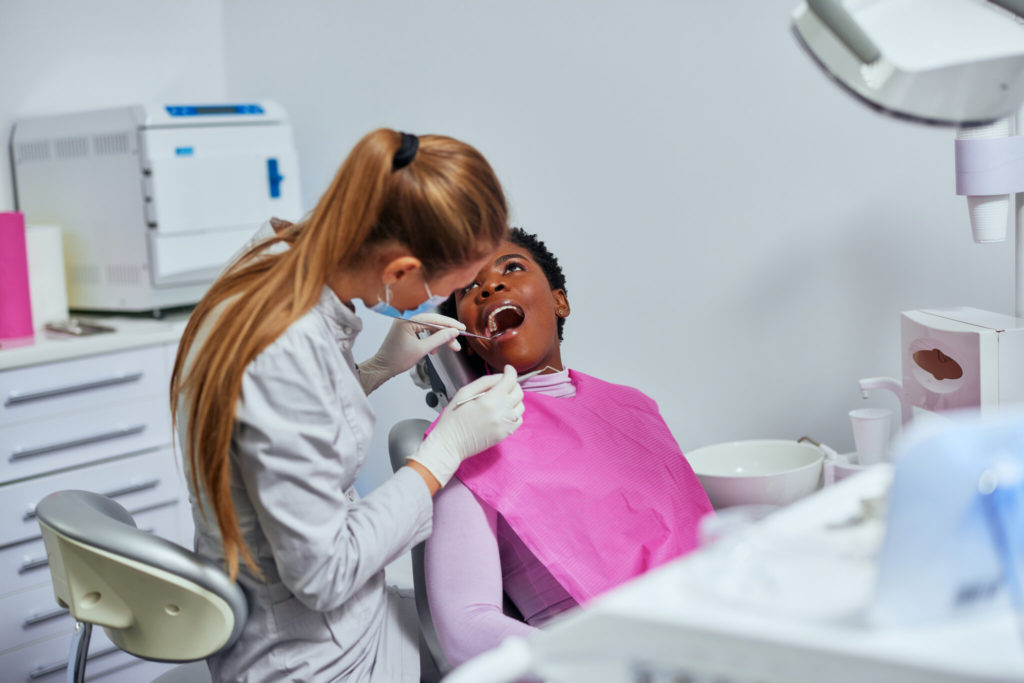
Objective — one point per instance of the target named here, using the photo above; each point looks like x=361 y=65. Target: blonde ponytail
x=446 y=206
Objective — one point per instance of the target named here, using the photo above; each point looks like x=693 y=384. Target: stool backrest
x=154 y=598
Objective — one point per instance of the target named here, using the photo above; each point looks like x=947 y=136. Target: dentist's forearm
x=433 y=485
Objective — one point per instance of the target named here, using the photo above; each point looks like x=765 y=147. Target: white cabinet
x=98 y=421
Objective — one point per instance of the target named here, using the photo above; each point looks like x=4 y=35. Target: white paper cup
x=871 y=428
x=846 y=469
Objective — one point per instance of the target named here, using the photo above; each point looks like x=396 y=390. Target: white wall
x=738 y=235
x=68 y=55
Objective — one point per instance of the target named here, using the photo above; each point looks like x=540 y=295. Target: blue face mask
x=385 y=307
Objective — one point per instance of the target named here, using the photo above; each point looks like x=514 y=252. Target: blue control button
x=274 y=179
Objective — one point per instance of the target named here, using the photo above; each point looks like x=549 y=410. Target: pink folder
x=15 y=303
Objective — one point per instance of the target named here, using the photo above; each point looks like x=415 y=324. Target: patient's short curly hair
x=544 y=258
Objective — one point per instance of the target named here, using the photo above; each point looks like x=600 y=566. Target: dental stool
x=155 y=599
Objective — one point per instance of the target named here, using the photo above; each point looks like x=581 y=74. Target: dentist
x=272 y=415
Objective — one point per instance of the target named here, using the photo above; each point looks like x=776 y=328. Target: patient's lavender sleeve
x=465 y=576
x=466 y=595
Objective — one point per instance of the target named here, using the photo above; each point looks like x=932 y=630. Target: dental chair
x=155 y=599
x=403 y=439
x=441 y=373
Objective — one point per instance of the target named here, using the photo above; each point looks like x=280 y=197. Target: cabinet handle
x=131 y=488
x=40 y=617
x=46 y=670
x=16 y=397
x=29 y=565
x=120 y=432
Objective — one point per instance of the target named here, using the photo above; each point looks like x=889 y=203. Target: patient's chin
x=511 y=354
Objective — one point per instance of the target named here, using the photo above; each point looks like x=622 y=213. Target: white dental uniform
x=302 y=431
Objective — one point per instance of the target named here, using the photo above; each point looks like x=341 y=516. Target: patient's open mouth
x=504 y=318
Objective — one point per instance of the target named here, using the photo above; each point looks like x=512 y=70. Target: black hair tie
x=406 y=153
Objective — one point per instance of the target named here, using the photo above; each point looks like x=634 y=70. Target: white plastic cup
x=871 y=428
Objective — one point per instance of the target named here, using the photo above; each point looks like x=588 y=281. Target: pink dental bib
x=594 y=485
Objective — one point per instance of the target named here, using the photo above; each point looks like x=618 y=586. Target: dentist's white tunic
x=303 y=427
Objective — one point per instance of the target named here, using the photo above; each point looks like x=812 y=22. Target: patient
x=591 y=491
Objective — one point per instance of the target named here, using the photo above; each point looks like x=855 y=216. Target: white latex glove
x=467 y=429
x=402 y=348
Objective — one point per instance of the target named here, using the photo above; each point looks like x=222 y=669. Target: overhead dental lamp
x=944 y=62
x=947 y=62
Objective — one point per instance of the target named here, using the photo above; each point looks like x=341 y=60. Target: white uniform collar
x=342 y=319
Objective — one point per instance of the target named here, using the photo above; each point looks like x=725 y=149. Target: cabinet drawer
x=136 y=482
x=24 y=566
x=45 y=661
x=40 y=446
x=73 y=385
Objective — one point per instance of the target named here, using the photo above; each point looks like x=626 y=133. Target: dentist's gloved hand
x=467 y=429
x=402 y=347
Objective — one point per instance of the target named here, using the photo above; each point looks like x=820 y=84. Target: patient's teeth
x=492 y=323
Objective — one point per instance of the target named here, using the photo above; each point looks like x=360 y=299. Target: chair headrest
x=448 y=371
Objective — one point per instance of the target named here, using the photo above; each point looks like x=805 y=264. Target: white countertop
x=130 y=332
x=780 y=602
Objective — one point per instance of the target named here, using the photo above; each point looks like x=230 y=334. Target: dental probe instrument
x=447 y=327
x=520 y=380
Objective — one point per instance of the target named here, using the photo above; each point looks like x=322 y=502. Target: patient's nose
x=492 y=289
